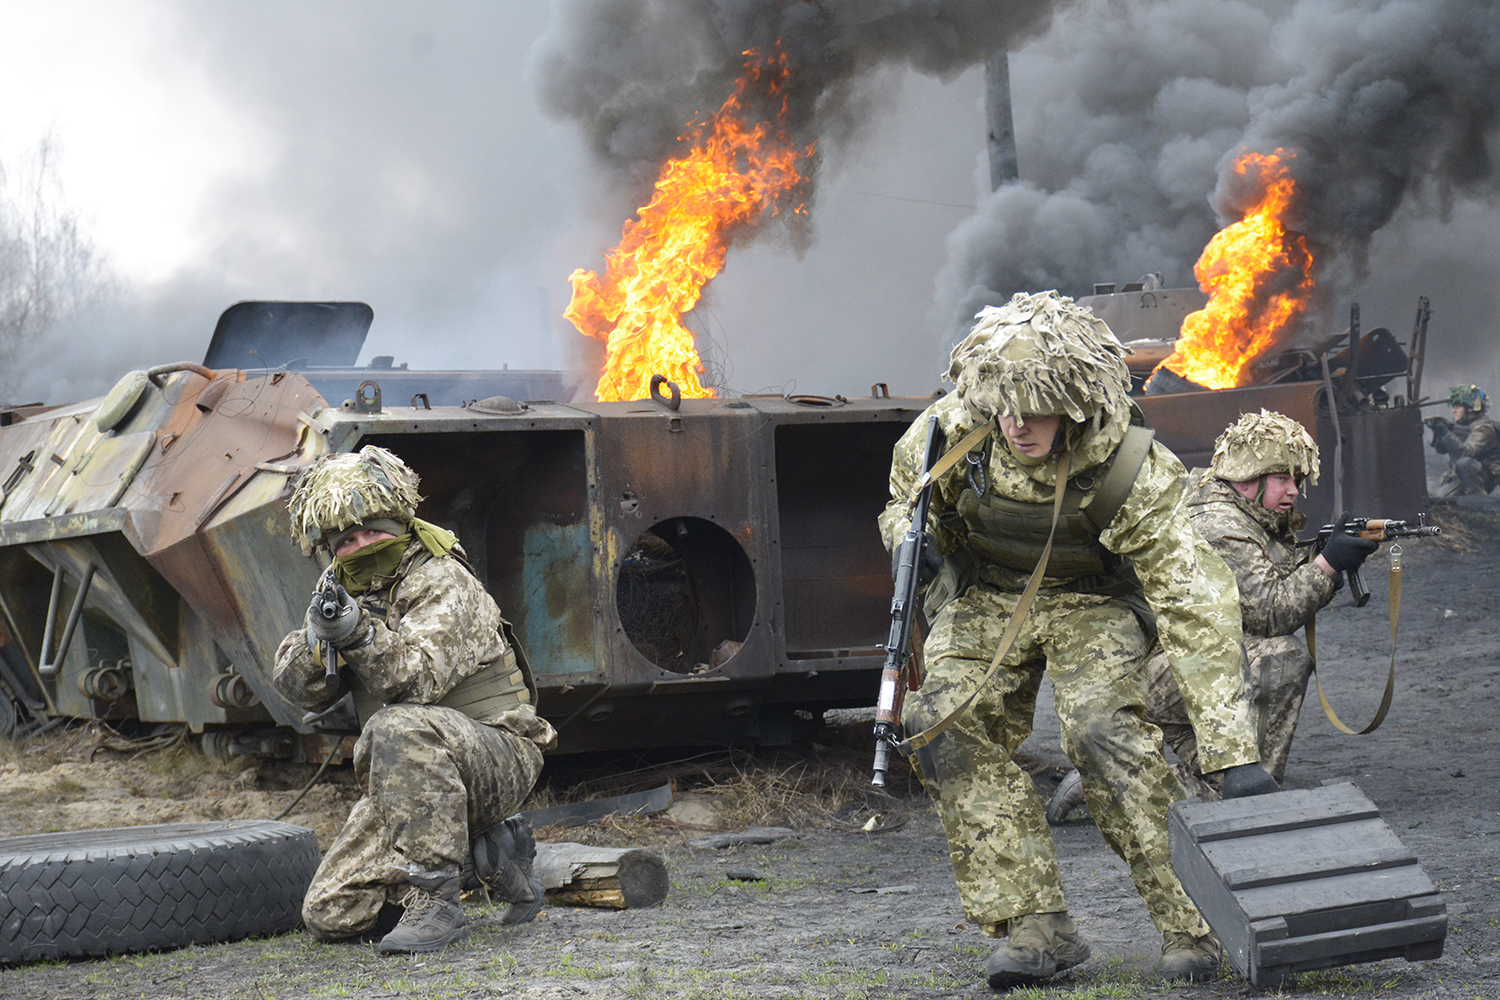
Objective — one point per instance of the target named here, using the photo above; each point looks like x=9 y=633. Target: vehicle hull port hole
x=686 y=595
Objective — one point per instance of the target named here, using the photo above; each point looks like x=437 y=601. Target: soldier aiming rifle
x=1471 y=440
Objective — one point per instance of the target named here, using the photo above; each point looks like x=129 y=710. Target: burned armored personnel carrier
x=679 y=571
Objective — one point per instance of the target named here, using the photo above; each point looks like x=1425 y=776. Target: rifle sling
x=950 y=458
x=1017 y=618
x=1390 y=680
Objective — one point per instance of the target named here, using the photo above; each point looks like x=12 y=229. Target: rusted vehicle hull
x=701 y=574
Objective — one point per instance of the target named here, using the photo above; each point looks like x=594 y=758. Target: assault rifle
x=1375 y=530
x=901 y=672
x=328 y=607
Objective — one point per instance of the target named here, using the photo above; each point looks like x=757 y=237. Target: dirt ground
x=833 y=911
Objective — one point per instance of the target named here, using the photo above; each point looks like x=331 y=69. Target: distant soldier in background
x=449 y=742
x=1244 y=506
x=1471 y=440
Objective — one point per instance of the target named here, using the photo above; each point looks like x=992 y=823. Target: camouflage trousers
x=1003 y=855
x=1279 y=670
x=432 y=777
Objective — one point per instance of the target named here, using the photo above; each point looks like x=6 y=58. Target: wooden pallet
x=1305 y=879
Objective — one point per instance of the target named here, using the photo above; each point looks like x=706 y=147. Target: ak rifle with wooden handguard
x=901 y=672
x=1375 y=530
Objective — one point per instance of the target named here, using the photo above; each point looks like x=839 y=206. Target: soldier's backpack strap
x=522 y=664
x=1118 y=481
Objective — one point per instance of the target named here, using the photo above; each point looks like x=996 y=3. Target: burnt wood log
x=612 y=877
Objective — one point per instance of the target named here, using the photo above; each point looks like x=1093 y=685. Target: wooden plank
x=1390 y=939
x=1263 y=814
x=1318 y=852
x=1401 y=885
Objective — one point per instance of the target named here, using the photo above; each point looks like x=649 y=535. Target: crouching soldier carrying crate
x=1062 y=532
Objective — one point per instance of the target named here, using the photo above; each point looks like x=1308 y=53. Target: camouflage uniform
x=432 y=776
x=1280 y=592
x=1093 y=646
x=1472 y=444
x=1476 y=461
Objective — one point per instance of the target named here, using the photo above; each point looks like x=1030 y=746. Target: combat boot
x=503 y=857
x=1069 y=796
x=1185 y=956
x=1037 y=947
x=433 y=917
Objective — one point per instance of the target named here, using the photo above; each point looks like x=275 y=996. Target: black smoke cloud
x=1129 y=118
x=631 y=73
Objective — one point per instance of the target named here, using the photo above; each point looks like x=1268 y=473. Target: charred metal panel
x=1188 y=423
x=1383 y=470
x=1385 y=474
x=519 y=497
x=403 y=388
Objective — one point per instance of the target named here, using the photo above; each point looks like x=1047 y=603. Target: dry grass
x=813 y=786
x=1464 y=530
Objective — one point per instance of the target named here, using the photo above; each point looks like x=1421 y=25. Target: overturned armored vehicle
x=679 y=571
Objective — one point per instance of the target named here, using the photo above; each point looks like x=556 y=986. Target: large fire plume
x=742 y=168
x=1259 y=281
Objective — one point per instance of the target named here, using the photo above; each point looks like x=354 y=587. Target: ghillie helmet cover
x=1260 y=444
x=1041 y=354
x=342 y=491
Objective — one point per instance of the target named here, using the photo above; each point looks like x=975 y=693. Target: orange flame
x=1258 y=277
x=739 y=171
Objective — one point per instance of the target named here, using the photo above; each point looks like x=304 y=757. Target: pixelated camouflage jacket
x=1481 y=442
x=434 y=625
x=1187 y=585
x=1280 y=587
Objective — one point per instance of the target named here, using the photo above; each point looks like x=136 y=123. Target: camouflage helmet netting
x=1259 y=444
x=1041 y=354
x=1470 y=397
x=340 y=491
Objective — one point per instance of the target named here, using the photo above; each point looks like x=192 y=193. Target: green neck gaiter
x=356 y=571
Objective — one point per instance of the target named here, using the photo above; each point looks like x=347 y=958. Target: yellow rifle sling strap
x=950 y=458
x=1013 y=629
x=1390 y=680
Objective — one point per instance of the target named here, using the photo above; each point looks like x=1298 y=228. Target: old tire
x=96 y=892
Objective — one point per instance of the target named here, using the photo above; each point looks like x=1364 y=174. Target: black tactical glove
x=1442 y=437
x=337 y=629
x=1247 y=779
x=928 y=566
x=1347 y=552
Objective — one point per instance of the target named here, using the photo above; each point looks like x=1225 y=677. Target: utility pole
x=1002 y=134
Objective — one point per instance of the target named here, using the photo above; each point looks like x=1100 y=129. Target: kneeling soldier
x=449 y=742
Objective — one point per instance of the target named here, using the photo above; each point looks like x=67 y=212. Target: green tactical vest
x=482 y=696
x=1005 y=538
x=1012 y=533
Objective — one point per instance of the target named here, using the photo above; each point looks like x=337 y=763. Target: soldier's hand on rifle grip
x=332 y=619
x=1346 y=552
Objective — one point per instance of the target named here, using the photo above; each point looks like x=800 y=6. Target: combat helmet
x=338 y=493
x=1264 y=443
x=1042 y=354
x=1470 y=397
